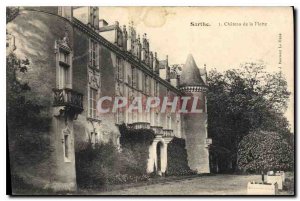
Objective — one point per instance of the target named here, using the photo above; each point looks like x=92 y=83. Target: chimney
x=168 y=70
x=154 y=66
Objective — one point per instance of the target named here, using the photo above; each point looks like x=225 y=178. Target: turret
x=195 y=128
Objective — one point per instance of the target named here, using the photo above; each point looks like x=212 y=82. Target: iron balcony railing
x=68 y=97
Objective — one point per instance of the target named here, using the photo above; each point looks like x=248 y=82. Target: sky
x=235 y=35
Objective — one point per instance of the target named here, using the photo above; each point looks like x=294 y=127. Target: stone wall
x=35 y=34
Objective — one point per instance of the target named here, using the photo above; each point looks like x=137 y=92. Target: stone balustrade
x=158 y=130
x=140 y=125
x=167 y=132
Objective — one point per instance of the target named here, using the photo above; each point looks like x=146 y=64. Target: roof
x=202 y=71
x=190 y=75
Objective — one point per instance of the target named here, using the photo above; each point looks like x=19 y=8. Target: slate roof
x=190 y=75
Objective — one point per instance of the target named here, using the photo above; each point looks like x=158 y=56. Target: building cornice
x=124 y=54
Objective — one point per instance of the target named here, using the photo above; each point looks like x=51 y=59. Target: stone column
x=152 y=156
x=164 y=155
x=164 y=158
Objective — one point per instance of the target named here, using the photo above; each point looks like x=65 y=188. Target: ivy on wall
x=103 y=164
x=177 y=158
x=136 y=142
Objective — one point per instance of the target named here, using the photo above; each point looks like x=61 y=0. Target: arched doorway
x=159 y=150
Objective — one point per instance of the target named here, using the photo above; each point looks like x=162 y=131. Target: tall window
x=66 y=140
x=156 y=89
x=133 y=77
x=92 y=102
x=64 y=70
x=146 y=84
x=94 y=138
x=119 y=69
x=169 y=122
x=93 y=54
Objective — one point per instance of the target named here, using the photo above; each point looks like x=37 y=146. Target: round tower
x=195 y=123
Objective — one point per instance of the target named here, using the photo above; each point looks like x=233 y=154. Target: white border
x=114 y=3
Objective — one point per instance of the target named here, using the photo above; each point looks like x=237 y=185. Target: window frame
x=92 y=109
x=64 y=69
x=94 y=54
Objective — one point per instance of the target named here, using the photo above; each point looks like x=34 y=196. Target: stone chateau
x=83 y=58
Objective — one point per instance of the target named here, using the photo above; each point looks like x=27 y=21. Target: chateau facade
x=76 y=59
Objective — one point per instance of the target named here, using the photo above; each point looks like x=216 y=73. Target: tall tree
x=242 y=100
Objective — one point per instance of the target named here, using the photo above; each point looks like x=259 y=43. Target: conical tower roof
x=190 y=75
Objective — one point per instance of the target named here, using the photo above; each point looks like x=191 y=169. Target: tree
x=261 y=150
x=243 y=100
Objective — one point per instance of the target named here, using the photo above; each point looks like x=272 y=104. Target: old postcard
x=150 y=100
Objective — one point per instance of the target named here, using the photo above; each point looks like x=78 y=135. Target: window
x=169 y=122
x=64 y=70
x=156 y=89
x=145 y=84
x=157 y=118
x=66 y=147
x=119 y=69
x=92 y=102
x=94 y=138
x=134 y=77
x=93 y=54
x=66 y=142
x=64 y=57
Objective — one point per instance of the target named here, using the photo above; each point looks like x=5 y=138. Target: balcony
x=167 y=132
x=140 y=125
x=68 y=98
x=158 y=130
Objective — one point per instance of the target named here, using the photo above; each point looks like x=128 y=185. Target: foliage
x=28 y=146
x=131 y=137
x=177 y=158
x=261 y=150
x=104 y=164
x=240 y=101
x=136 y=143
